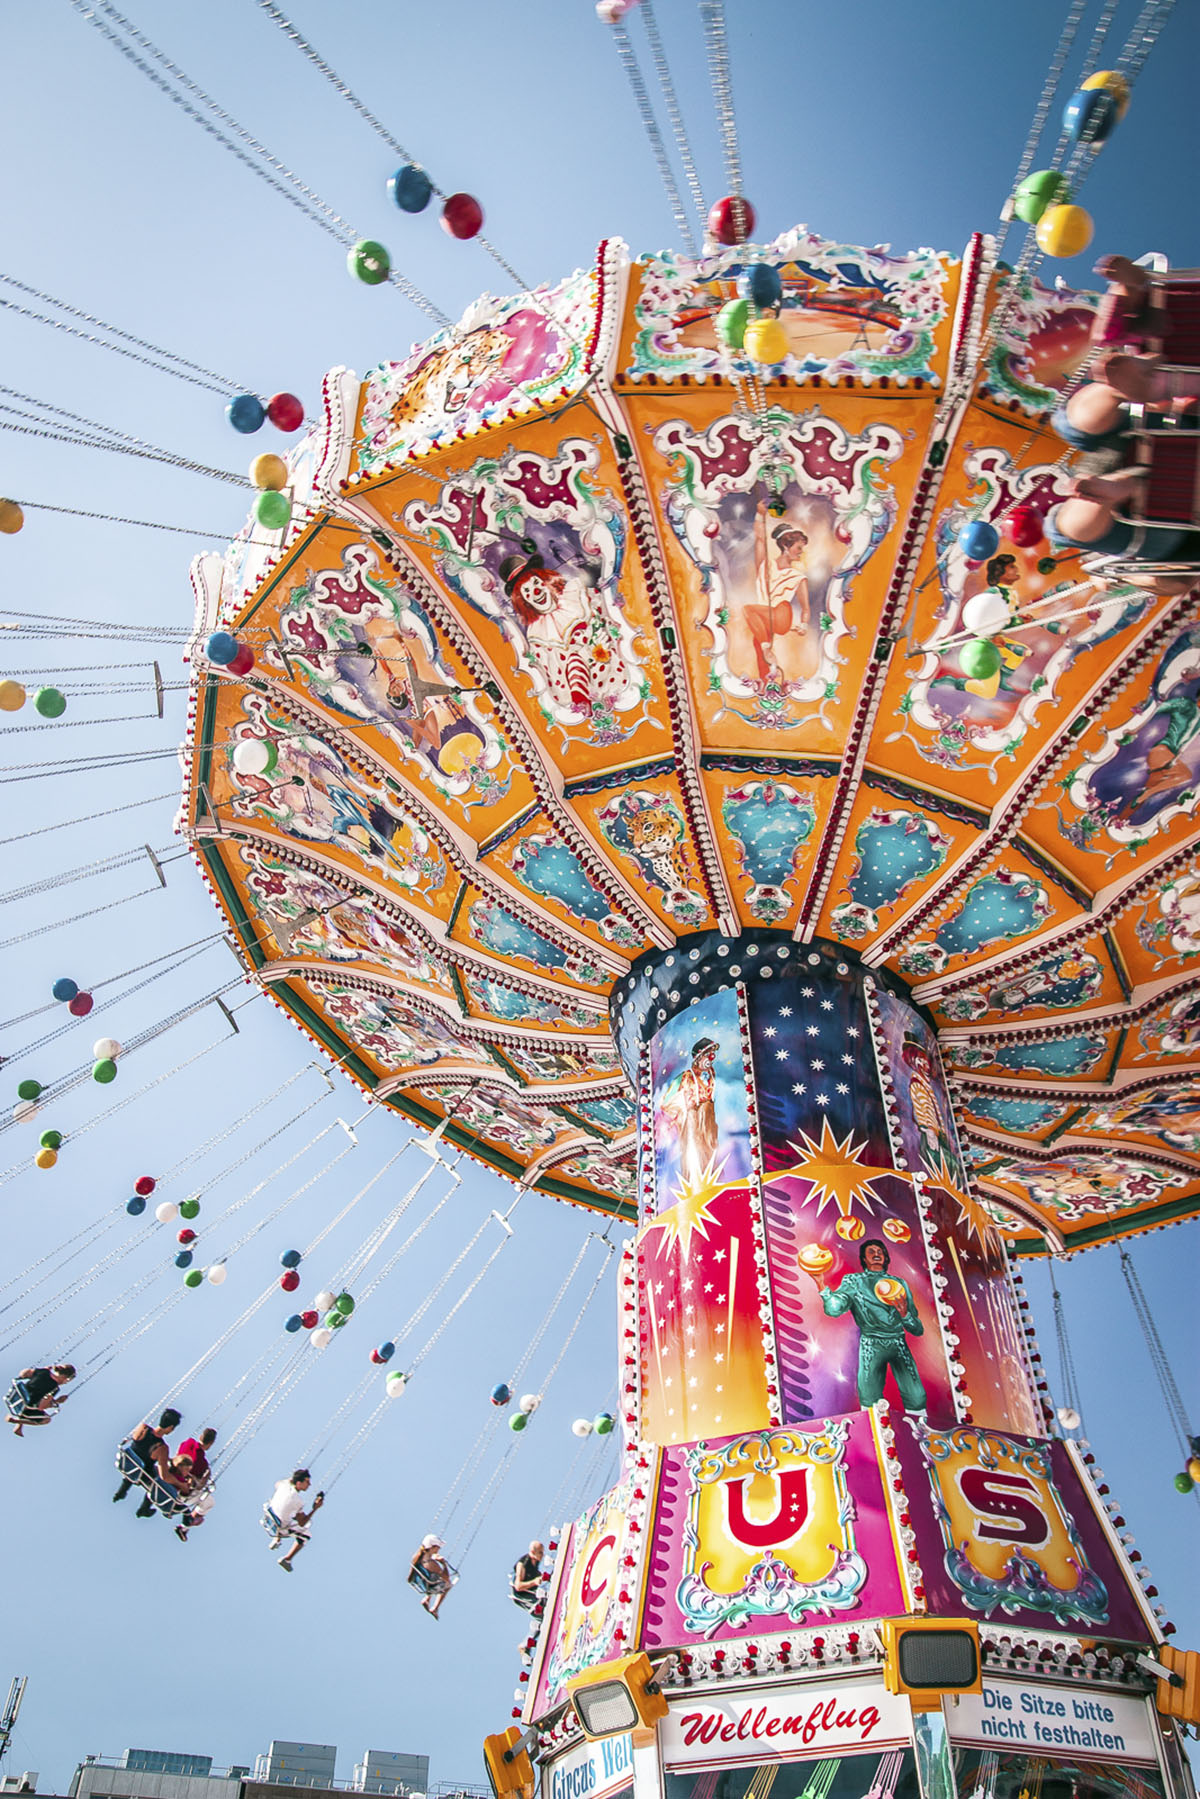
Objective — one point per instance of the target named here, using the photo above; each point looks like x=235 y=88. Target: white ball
x=105 y=1049
x=985 y=612
x=530 y=1402
x=396 y=1384
x=582 y=1427
x=320 y=1337
x=324 y=1302
x=252 y=756
x=167 y=1212
x=217 y=1273
x=1069 y=1418
x=25 y=1110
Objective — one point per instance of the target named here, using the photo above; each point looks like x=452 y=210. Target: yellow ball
x=1064 y=230
x=766 y=341
x=11 y=517
x=1114 y=83
x=12 y=696
x=46 y=1158
x=269 y=471
x=1193 y=1468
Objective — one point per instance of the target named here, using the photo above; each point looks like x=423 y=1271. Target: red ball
x=144 y=1185
x=81 y=1005
x=289 y=1281
x=731 y=220
x=243 y=661
x=376 y=1358
x=462 y=216
x=186 y=1235
x=1024 y=525
x=309 y=1320
x=285 y=412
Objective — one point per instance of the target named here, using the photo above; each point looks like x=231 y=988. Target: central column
x=808 y=1242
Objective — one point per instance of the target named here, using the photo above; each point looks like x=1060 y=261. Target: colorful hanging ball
x=194 y=1277
x=985 y=612
x=978 y=540
x=49 y=702
x=321 y=1338
x=309 y=1319
x=185 y=1236
x=1193 y=1467
x=501 y=1394
x=184 y=1259
x=45 y=1158
x=517 y=1420
x=410 y=188
x=730 y=323
x=189 y=1208
x=272 y=510
x=761 y=283
x=29 y=1089
x=246 y=413
x=1114 y=83
x=732 y=220
x=135 y=1206
x=216 y=1274
x=1064 y=230
x=1184 y=1482
x=979 y=659
x=369 y=262
x=602 y=1423
x=529 y=1402
x=462 y=216
x=285 y=412
x=145 y=1185
x=1068 y=1417
x=12 y=696
x=104 y=1071
x=396 y=1384
x=324 y=1299
x=766 y=341
x=269 y=471
x=376 y=1358
x=344 y=1303
x=166 y=1212
x=11 y=518
x=221 y=648
x=51 y=1139
x=65 y=988
x=254 y=756
x=1045 y=187
x=387 y=1351
x=81 y=1005
x=243 y=662
x=1025 y=525
x=291 y=1258
x=25 y=1111
x=294 y=1323
x=1090 y=116
x=289 y=1280
x=335 y=1320
x=582 y=1427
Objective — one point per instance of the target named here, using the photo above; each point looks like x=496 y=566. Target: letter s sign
x=1006 y=1506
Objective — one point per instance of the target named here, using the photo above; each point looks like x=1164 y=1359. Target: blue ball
x=294 y=1323
x=410 y=188
x=246 y=413
x=978 y=540
x=386 y=1351
x=1090 y=115
x=184 y=1259
x=501 y=1394
x=65 y=989
x=291 y=1258
x=221 y=648
x=135 y=1206
x=761 y=283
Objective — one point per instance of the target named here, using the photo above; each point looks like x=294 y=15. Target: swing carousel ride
x=652 y=737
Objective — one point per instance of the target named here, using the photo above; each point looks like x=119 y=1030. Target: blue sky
x=869 y=123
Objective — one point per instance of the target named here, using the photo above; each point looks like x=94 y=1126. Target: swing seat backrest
x=418 y=1578
x=18 y=1402
x=160 y=1494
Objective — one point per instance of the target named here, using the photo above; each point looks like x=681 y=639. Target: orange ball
x=814 y=1258
x=851 y=1229
x=896 y=1229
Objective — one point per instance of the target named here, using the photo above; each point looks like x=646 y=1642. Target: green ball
x=602 y=1423
x=368 y=261
x=731 y=322
x=1184 y=1482
x=344 y=1304
x=272 y=509
x=189 y=1208
x=29 y=1089
x=518 y=1420
x=104 y=1071
x=193 y=1277
x=49 y=702
x=979 y=659
x=1046 y=565
x=1045 y=187
x=335 y=1319
x=51 y=1139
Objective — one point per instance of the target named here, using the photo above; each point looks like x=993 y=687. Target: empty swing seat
x=22 y=1408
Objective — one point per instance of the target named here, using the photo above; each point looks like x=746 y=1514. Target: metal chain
x=641 y=97
x=110 y=438
x=224 y=384
x=683 y=147
x=1172 y=1397
x=1066 y=1356
x=712 y=12
x=41 y=318
x=110 y=518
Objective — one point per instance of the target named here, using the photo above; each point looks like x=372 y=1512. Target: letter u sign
x=787 y=1520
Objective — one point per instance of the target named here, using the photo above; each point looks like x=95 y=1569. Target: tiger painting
x=656 y=838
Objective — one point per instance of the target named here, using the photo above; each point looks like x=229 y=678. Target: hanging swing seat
x=21 y=1409
x=162 y=1496
x=423 y=1582
x=271 y=1521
